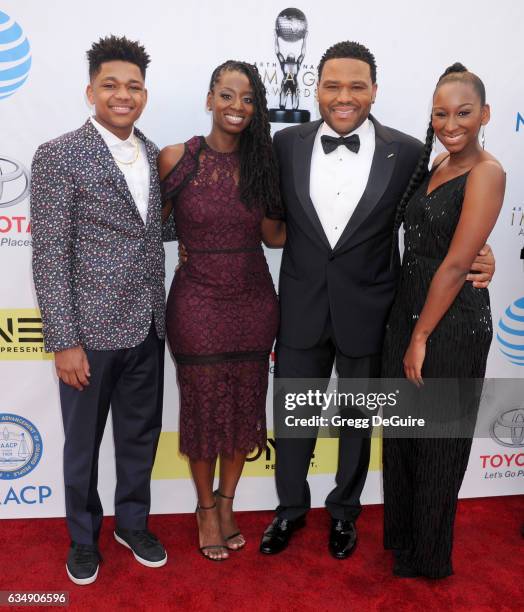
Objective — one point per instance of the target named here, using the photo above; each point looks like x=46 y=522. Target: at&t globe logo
x=510 y=333
x=15 y=56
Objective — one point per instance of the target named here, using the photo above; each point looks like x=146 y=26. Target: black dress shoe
x=276 y=537
x=342 y=538
x=82 y=563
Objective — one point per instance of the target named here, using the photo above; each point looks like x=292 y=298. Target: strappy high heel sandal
x=202 y=549
x=228 y=538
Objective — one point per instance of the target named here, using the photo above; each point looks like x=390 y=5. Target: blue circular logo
x=20 y=446
x=511 y=332
x=15 y=56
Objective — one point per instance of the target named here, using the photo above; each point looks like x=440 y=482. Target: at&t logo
x=15 y=56
x=510 y=333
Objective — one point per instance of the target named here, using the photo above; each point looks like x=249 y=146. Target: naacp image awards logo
x=20 y=446
x=289 y=80
x=15 y=56
x=510 y=334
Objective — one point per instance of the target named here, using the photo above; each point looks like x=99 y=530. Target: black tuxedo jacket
x=353 y=282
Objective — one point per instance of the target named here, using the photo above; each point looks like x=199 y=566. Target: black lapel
x=153 y=178
x=382 y=166
x=303 y=149
x=102 y=154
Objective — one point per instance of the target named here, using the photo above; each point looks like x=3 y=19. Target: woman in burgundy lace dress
x=221 y=194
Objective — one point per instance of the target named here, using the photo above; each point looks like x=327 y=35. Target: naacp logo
x=508 y=428
x=20 y=446
x=510 y=333
x=14 y=182
x=15 y=56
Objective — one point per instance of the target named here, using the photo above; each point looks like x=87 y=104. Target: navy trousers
x=130 y=381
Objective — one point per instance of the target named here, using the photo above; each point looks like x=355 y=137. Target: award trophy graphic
x=290 y=49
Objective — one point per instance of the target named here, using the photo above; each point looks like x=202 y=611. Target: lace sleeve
x=175 y=181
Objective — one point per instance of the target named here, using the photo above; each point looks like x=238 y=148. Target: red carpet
x=488 y=563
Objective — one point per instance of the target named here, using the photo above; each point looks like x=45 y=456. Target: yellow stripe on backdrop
x=170 y=464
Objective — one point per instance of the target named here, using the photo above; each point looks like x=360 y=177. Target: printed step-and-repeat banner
x=43 y=75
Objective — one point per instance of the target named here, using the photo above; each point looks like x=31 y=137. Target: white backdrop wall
x=186 y=41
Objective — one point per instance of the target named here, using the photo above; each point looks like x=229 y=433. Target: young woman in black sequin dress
x=440 y=326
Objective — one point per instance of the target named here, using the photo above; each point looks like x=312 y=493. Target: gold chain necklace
x=137 y=152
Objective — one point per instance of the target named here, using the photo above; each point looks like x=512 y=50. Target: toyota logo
x=14 y=182
x=508 y=428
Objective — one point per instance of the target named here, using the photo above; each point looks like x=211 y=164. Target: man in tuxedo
x=98 y=267
x=341 y=180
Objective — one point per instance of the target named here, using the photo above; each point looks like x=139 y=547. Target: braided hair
x=259 y=179
x=455 y=72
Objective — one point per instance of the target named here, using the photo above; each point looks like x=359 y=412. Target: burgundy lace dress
x=222 y=310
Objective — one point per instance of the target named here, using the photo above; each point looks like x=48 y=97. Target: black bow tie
x=330 y=143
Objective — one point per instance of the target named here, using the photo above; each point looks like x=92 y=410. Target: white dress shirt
x=338 y=179
x=137 y=173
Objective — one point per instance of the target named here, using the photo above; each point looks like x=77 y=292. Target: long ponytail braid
x=416 y=179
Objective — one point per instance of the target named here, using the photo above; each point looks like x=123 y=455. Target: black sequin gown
x=422 y=477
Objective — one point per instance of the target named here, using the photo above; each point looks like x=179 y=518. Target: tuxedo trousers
x=130 y=382
x=293 y=455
